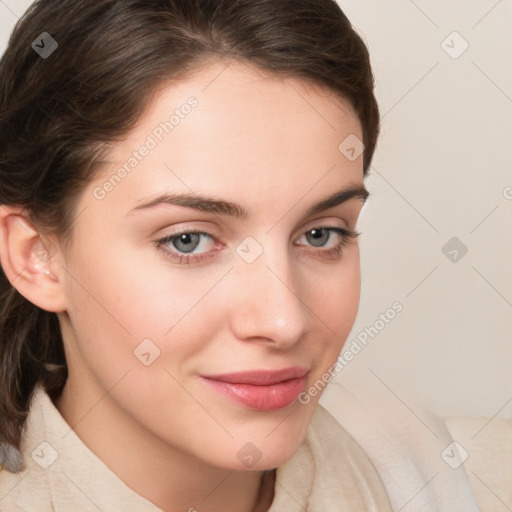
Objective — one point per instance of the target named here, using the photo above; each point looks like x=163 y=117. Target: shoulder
x=23 y=483
x=61 y=473
x=484 y=446
x=413 y=448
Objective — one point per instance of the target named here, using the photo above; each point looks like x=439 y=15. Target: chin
x=272 y=444
x=253 y=458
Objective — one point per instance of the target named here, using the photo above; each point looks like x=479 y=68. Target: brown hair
x=57 y=115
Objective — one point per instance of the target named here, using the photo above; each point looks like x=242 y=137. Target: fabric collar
x=328 y=473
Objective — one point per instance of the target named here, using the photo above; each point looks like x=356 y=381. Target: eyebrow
x=212 y=205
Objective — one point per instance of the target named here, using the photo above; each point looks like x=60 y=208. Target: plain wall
x=441 y=170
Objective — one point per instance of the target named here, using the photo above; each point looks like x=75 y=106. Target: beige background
x=441 y=170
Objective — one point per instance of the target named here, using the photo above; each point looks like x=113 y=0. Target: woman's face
x=157 y=315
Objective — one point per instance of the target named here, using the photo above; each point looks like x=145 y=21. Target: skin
x=271 y=145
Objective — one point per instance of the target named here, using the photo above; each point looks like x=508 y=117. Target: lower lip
x=261 y=398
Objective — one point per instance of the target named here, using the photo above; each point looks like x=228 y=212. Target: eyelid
x=326 y=222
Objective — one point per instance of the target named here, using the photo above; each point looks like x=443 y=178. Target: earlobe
x=30 y=261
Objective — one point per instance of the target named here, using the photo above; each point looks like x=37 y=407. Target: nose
x=270 y=305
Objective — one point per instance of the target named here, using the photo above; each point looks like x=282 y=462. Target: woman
x=180 y=183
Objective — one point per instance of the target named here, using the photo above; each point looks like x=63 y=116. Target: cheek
x=335 y=304
x=111 y=305
x=335 y=300
x=118 y=298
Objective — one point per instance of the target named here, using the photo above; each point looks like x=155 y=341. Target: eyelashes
x=179 y=246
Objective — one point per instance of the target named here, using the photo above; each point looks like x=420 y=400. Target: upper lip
x=260 y=377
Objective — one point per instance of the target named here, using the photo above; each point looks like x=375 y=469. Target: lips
x=260 y=377
x=263 y=390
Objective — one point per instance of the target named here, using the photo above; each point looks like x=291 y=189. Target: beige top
x=487 y=444
x=329 y=472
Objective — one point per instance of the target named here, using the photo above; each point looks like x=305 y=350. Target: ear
x=30 y=261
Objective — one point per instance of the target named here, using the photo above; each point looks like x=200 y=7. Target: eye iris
x=317 y=237
x=186 y=242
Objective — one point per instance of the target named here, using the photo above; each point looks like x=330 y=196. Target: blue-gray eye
x=186 y=242
x=318 y=237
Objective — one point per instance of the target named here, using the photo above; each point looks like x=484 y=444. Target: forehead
x=230 y=129
x=232 y=95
